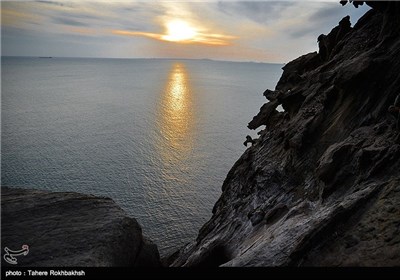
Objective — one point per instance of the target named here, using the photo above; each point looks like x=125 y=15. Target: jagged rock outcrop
x=321 y=186
x=71 y=229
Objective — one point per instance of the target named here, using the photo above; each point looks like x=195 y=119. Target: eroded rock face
x=71 y=229
x=321 y=186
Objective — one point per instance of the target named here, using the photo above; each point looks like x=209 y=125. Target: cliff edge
x=70 y=229
x=321 y=185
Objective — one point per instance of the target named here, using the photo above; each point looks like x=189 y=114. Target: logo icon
x=10 y=255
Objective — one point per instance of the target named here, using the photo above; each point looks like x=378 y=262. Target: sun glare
x=178 y=30
x=181 y=31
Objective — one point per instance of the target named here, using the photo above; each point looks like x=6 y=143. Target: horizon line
x=161 y=58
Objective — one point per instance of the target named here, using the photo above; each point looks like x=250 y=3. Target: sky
x=259 y=31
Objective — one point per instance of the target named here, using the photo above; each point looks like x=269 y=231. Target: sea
x=158 y=136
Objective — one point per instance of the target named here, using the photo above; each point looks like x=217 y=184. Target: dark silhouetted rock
x=267 y=116
x=72 y=229
x=322 y=185
x=395 y=111
x=329 y=44
x=248 y=140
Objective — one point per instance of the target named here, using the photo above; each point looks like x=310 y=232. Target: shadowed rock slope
x=71 y=229
x=321 y=185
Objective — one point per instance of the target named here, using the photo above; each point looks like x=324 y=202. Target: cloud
x=51 y=3
x=67 y=21
x=258 y=11
x=191 y=20
x=199 y=38
x=326 y=13
x=323 y=17
x=274 y=31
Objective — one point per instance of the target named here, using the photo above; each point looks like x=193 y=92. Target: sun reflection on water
x=176 y=118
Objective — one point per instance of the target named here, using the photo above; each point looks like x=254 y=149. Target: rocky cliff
x=321 y=185
x=71 y=229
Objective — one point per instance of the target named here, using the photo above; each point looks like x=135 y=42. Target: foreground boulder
x=321 y=185
x=71 y=229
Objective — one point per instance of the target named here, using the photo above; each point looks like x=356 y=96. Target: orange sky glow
x=261 y=31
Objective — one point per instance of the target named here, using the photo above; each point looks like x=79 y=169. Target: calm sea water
x=157 y=136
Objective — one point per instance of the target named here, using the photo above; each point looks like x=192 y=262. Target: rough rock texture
x=71 y=229
x=321 y=186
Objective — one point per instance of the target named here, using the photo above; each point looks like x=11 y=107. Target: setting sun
x=178 y=30
x=183 y=32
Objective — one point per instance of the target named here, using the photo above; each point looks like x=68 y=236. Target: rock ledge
x=72 y=229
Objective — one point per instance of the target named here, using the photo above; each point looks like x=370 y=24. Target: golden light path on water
x=176 y=121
